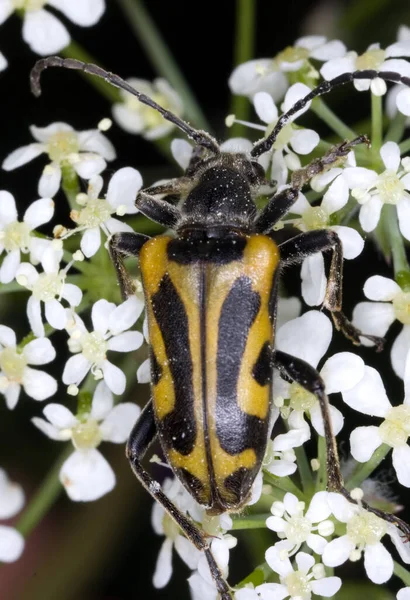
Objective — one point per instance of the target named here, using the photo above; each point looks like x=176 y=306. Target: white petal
x=279 y=170
x=126 y=342
x=276 y=563
x=187 y=551
x=326 y=587
x=337 y=551
x=288 y=308
x=336 y=196
x=117 y=425
x=399 y=351
x=352 y=241
x=129 y=120
x=402 y=545
x=12 y=394
x=378 y=563
x=304 y=562
x=60 y=416
x=336 y=418
x=359 y=177
x=163 y=568
x=50 y=180
x=76 y=369
x=401 y=463
x=44 y=33
x=342 y=509
x=373 y=318
x=12 y=497
x=55 y=314
x=304 y=141
x=368 y=396
x=403 y=214
x=307 y=337
x=7 y=336
x=403 y=101
x=72 y=294
x=265 y=107
x=276 y=524
x=329 y=50
x=381 y=288
x=369 y=214
x=11 y=544
x=390 y=153
x=125 y=315
x=87 y=476
x=311 y=42
x=182 y=152
x=100 y=314
x=319 y=182
x=49 y=430
x=102 y=403
x=316 y=542
x=363 y=442
x=256 y=76
x=337 y=66
x=38 y=385
x=8 y=210
x=115 y=225
x=91 y=241
x=319 y=508
x=39 y=352
x=292 y=439
x=114 y=377
x=313 y=279
x=403 y=594
x=39 y=212
x=281 y=468
x=291 y=503
x=6 y=9
x=95 y=142
x=34 y=316
x=123 y=188
x=80 y=12
x=43 y=134
x=21 y=156
x=9 y=266
x=295 y=93
x=144 y=372
x=89 y=164
x=342 y=371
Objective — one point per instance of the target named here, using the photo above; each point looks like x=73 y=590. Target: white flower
x=308 y=338
x=296 y=528
x=374 y=318
x=201 y=582
x=86 y=475
x=135 y=117
x=279 y=463
x=42 y=31
x=403 y=594
x=16 y=236
x=110 y=324
x=369 y=397
x=48 y=287
x=85 y=151
x=375 y=58
x=15 y=372
x=373 y=190
x=364 y=530
x=318 y=217
x=11 y=502
x=164 y=525
x=299 y=583
x=292 y=140
x=96 y=212
x=3 y=62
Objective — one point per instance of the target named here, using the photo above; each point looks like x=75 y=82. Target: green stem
x=377 y=124
x=70 y=185
x=396 y=243
x=283 y=483
x=8 y=288
x=74 y=50
x=328 y=116
x=161 y=58
x=304 y=470
x=250 y=522
x=243 y=51
x=363 y=471
x=402 y=573
x=396 y=128
x=405 y=146
x=45 y=496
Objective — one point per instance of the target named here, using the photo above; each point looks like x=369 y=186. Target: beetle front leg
x=142 y=435
x=121 y=245
x=306 y=244
x=306 y=376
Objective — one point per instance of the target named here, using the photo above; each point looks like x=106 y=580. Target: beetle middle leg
x=306 y=244
x=142 y=436
x=299 y=371
x=121 y=245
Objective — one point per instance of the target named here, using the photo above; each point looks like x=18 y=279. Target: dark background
x=107 y=549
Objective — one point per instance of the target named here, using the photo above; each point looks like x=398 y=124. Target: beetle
x=211 y=297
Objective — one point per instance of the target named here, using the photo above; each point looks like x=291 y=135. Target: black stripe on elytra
x=237 y=481
x=262 y=369
x=156 y=369
x=236 y=430
x=214 y=250
x=194 y=484
x=177 y=429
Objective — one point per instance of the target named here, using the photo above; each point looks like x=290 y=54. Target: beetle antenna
x=324 y=88
x=199 y=137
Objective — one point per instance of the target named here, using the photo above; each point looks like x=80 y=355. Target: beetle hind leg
x=297 y=370
x=142 y=435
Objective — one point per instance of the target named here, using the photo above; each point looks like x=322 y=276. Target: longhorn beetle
x=211 y=297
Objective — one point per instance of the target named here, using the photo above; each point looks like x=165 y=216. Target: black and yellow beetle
x=211 y=296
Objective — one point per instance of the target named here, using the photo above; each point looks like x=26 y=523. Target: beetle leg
x=306 y=244
x=120 y=245
x=281 y=202
x=306 y=376
x=159 y=210
x=142 y=435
